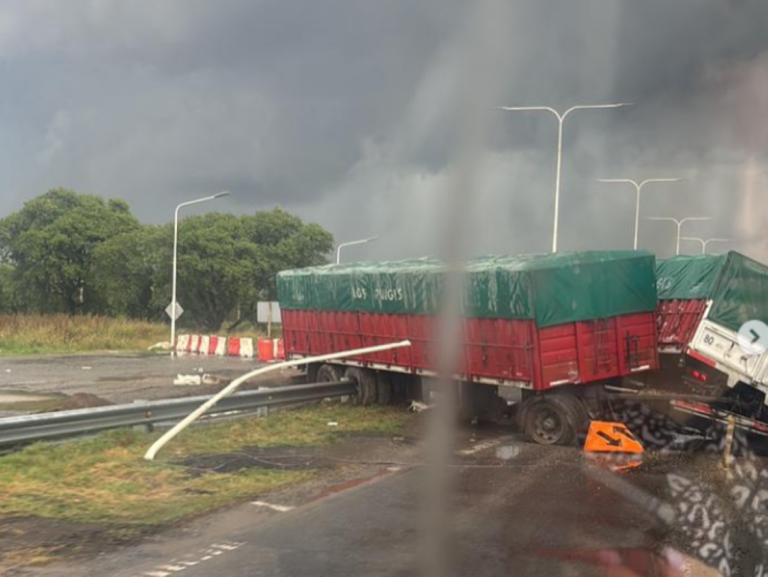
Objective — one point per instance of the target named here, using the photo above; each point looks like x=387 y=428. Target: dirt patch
x=285 y=458
x=81 y=401
x=353 y=448
x=26 y=542
x=31 y=403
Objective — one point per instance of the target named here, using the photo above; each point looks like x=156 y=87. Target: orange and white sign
x=610 y=437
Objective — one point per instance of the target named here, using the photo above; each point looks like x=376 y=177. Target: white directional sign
x=267 y=311
x=172 y=312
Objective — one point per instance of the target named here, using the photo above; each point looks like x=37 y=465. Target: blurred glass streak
x=477 y=88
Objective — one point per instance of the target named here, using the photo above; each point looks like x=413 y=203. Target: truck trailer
x=704 y=302
x=545 y=333
x=684 y=285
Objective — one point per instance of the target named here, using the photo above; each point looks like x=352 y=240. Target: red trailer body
x=495 y=351
x=676 y=323
x=543 y=333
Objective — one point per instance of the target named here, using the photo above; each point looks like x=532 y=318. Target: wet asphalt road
x=507 y=517
x=515 y=509
x=118 y=378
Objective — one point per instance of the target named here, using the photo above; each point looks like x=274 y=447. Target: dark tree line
x=75 y=253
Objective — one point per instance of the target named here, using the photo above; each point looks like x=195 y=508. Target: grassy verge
x=41 y=406
x=105 y=479
x=63 y=334
x=29 y=334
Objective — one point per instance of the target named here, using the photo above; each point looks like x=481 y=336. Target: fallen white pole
x=194 y=415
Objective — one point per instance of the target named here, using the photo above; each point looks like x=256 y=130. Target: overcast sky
x=348 y=113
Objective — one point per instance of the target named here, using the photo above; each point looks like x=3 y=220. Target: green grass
x=105 y=479
x=51 y=334
x=42 y=406
x=64 y=334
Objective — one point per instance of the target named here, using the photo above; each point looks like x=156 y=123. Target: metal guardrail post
x=197 y=413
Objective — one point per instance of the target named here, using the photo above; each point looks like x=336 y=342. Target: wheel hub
x=549 y=427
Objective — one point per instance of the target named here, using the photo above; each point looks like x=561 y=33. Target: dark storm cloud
x=347 y=112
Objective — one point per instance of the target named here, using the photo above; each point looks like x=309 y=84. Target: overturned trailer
x=704 y=301
x=685 y=285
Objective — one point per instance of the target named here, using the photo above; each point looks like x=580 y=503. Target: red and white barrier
x=267 y=349
x=218 y=346
x=214 y=345
x=194 y=344
x=239 y=347
x=271 y=350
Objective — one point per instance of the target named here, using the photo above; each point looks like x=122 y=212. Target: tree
x=50 y=242
x=68 y=252
x=9 y=295
x=125 y=268
x=226 y=263
x=282 y=241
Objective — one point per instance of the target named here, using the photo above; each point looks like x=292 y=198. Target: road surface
x=118 y=378
x=516 y=509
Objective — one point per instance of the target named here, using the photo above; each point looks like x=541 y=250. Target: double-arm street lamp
x=680 y=222
x=560 y=119
x=705 y=242
x=638 y=190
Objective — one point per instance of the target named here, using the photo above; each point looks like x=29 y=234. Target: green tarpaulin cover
x=551 y=289
x=741 y=293
x=687 y=277
x=737 y=286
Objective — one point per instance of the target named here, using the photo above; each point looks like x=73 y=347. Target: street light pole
x=351 y=243
x=679 y=223
x=705 y=242
x=175 y=251
x=638 y=190
x=560 y=119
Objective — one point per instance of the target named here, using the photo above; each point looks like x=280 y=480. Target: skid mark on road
x=176 y=566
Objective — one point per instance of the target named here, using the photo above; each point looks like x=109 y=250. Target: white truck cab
x=718 y=348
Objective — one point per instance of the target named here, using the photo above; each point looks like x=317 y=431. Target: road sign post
x=174 y=312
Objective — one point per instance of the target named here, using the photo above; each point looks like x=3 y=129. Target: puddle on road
x=507 y=452
x=11 y=397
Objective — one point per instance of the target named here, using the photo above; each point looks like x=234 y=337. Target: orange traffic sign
x=608 y=437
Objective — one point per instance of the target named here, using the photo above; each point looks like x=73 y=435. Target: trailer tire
x=399 y=389
x=384 y=388
x=550 y=420
x=312 y=369
x=580 y=413
x=328 y=374
x=366 y=384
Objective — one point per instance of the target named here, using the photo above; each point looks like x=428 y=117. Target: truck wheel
x=401 y=393
x=384 y=390
x=550 y=421
x=366 y=384
x=312 y=369
x=580 y=412
x=328 y=374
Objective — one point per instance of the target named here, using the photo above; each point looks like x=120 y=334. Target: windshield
x=387 y=288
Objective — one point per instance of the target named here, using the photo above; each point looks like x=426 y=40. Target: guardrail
x=44 y=426
x=232 y=387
